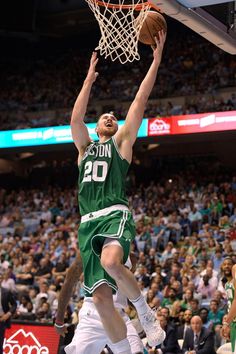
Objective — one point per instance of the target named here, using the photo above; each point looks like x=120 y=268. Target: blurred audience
x=182 y=275
x=39 y=89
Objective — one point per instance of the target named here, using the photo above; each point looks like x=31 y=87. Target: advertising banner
x=52 y=135
x=184 y=124
x=204 y=122
x=159 y=126
x=192 y=123
x=30 y=339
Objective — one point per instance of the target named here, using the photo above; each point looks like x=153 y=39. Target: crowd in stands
x=185 y=230
x=51 y=82
x=199 y=104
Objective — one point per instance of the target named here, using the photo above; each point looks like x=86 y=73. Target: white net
x=120 y=27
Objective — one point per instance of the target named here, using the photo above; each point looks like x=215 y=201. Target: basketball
x=153 y=23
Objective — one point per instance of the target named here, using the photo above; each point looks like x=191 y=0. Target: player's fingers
x=161 y=37
x=157 y=42
x=93 y=57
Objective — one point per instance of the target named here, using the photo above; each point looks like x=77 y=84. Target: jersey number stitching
x=91 y=171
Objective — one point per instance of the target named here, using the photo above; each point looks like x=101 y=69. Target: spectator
x=24 y=278
x=205 y=288
x=215 y=315
x=44 y=293
x=198 y=338
x=44 y=270
x=61 y=266
x=7 y=282
x=170 y=297
x=194 y=306
x=182 y=329
x=187 y=298
x=203 y=313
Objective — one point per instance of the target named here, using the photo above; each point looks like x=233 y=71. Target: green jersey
x=229 y=288
x=102 y=176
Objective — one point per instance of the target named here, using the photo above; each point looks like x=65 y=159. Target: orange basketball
x=153 y=23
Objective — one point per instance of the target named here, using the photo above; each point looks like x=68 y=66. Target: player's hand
x=92 y=74
x=225 y=332
x=158 y=48
x=5 y=317
x=61 y=330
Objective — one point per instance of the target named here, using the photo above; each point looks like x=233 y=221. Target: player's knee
x=112 y=266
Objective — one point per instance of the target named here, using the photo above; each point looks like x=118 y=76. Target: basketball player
x=229 y=324
x=107 y=227
x=90 y=336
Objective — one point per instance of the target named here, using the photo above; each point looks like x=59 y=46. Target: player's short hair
x=111 y=113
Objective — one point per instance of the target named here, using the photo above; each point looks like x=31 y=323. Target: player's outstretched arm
x=72 y=277
x=78 y=128
x=135 y=114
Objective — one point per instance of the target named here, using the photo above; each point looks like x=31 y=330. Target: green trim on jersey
x=102 y=177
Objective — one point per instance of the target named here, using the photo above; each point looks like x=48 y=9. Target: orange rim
x=137 y=7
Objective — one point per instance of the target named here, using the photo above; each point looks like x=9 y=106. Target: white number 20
x=91 y=171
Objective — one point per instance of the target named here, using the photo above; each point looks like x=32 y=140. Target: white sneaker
x=155 y=334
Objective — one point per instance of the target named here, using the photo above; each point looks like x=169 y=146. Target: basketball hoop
x=120 y=24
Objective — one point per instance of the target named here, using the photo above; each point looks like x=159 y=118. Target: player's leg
x=111 y=319
x=90 y=336
x=99 y=284
x=134 y=340
x=112 y=257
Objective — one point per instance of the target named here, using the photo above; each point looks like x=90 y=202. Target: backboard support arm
x=201 y=22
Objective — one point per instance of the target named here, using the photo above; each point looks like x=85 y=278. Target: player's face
x=227 y=267
x=107 y=125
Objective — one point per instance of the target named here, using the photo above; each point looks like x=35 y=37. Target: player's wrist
x=59 y=324
x=89 y=81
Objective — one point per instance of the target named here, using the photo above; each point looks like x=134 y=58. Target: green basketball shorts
x=233 y=335
x=115 y=222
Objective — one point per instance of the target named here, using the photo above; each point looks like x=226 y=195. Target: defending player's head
x=107 y=125
x=226 y=266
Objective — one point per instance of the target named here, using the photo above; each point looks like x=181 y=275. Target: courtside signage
x=30 y=339
x=51 y=135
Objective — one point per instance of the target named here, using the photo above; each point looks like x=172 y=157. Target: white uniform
x=90 y=336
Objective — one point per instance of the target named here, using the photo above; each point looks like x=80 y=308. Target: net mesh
x=120 y=27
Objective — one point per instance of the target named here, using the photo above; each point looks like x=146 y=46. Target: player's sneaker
x=155 y=334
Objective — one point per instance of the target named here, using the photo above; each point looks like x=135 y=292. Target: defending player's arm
x=78 y=128
x=232 y=311
x=72 y=277
x=128 y=133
